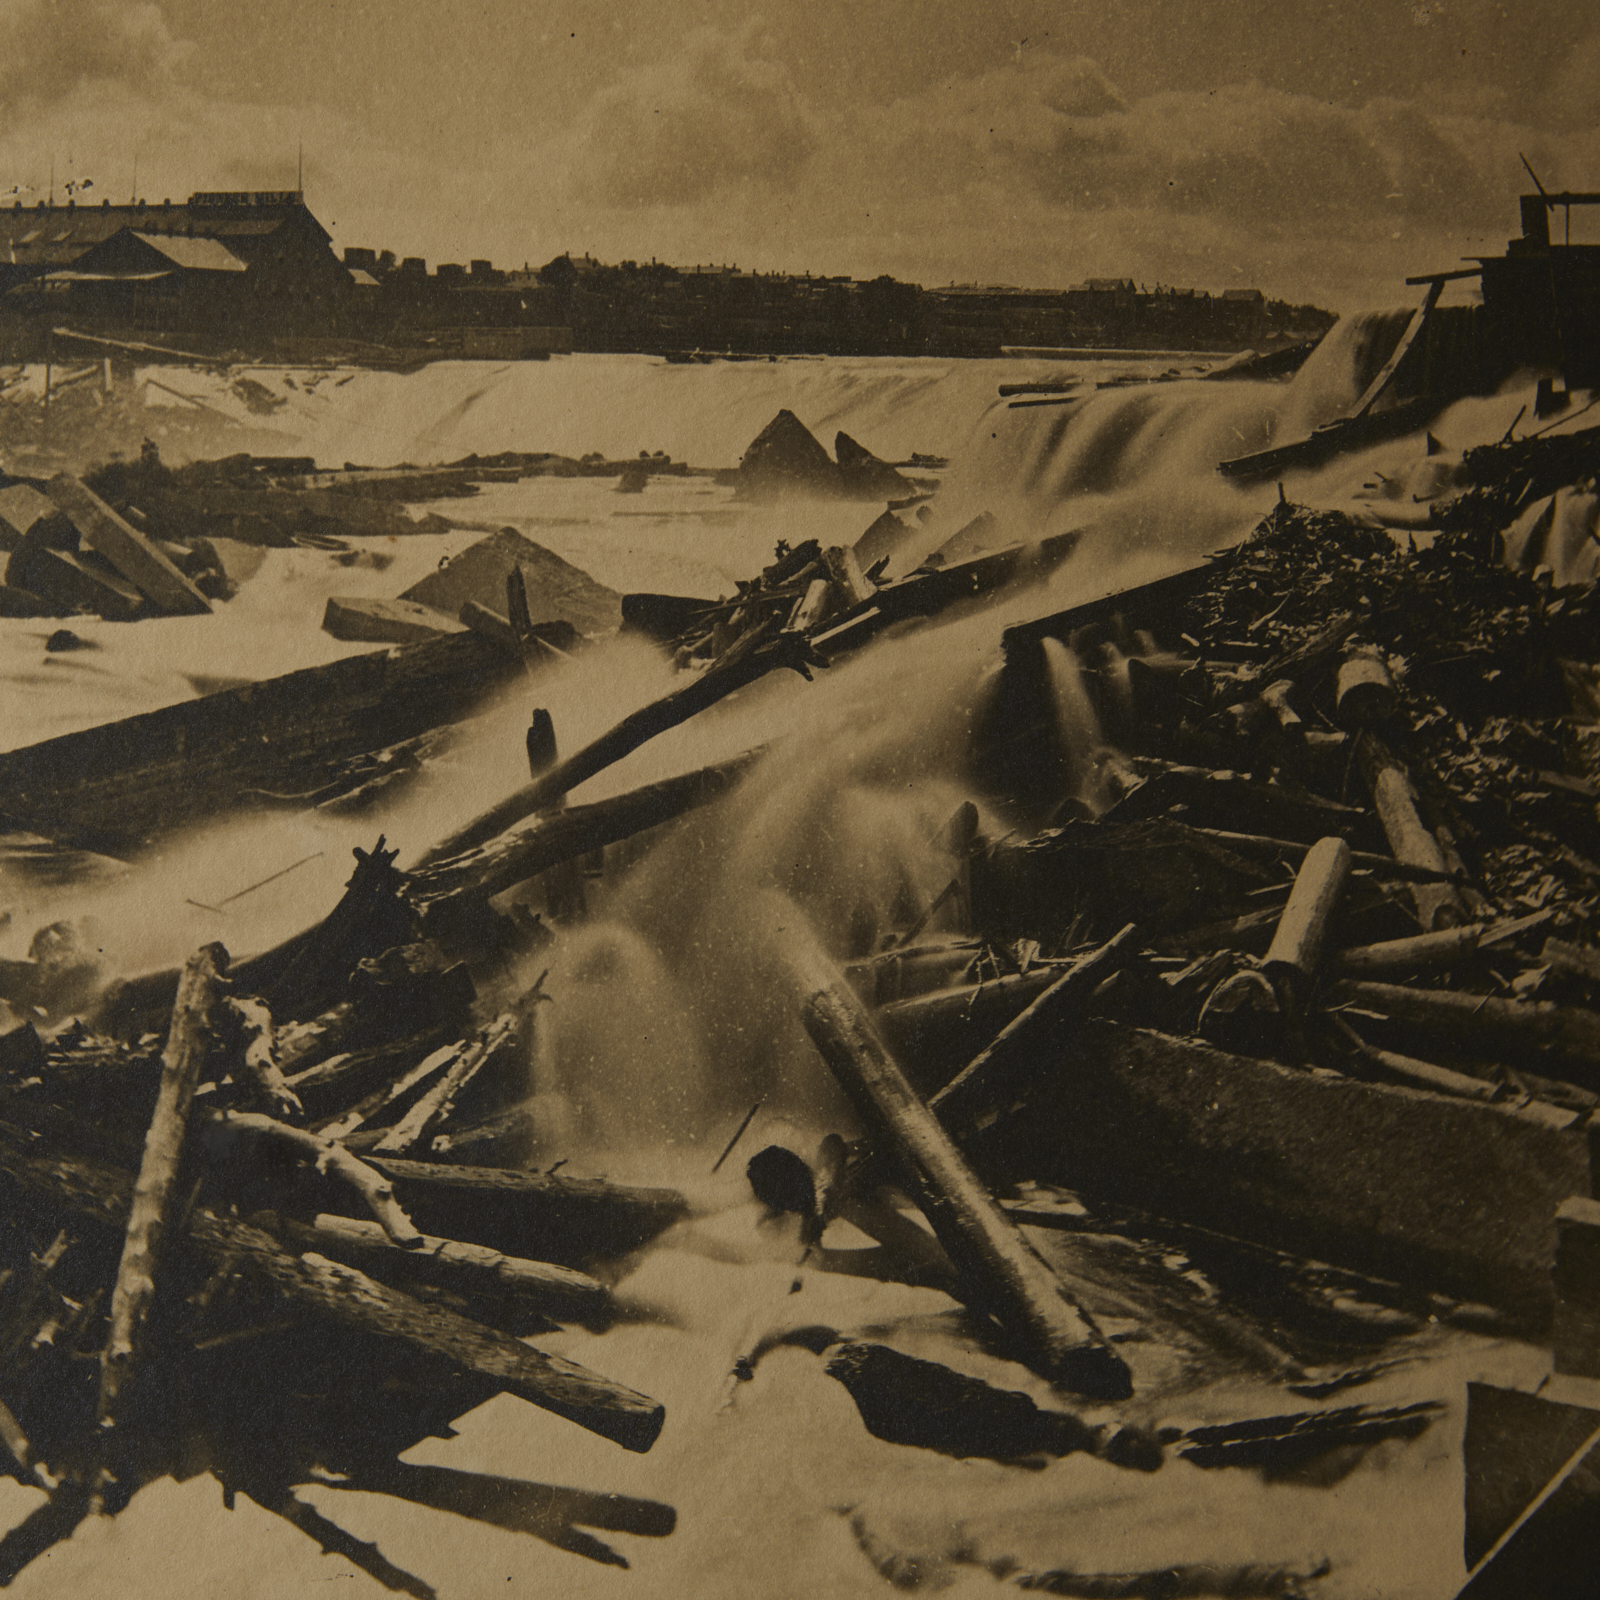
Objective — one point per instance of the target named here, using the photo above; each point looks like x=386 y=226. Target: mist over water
x=670 y=1014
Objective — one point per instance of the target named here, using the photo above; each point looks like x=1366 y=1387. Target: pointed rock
x=785 y=458
x=864 y=476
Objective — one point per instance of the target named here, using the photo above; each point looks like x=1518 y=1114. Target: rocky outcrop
x=863 y=476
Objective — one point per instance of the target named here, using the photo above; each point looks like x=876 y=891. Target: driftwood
x=630 y=1419
x=1045 y=1027
x=150 y=1208
x=558 y=836
x=750 y=658
x=255 y=1022
x=1423 y=951
x=1409 y=837
x=375 y=1190
x=556 y=1291
x=1364 y=692
x=398 y=1092
x=1569 y=1033
x=1006 y=1274
x=435 y=1105
x=1296 y=947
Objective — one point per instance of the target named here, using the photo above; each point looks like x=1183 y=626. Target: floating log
x=375 y=1190
x=557 y=1291
x=134 y=555
x=153 y=1197
x=1409 y=837
x=115 y=787
x=1360 y=860
x=737 y=668
x=938 y=1033
x=1011 y=1280
x=909 y=1401
x=549 y=1216
x=1512 y=1027
x=1044 y=1028
x=556 y=836
x=1220 y=798
x=1420 y=1074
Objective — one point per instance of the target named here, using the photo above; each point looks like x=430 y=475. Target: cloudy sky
x=1320 y=149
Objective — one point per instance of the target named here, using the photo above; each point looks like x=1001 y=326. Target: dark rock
x=66 y=639
x=864 y=475
x=785 y=458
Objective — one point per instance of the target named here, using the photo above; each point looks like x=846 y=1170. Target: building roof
x=195 y=255
x=56 y=236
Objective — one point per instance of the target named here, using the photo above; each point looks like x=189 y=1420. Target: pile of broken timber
x=1305 y=960
x=259 y=1208
x=69 y=552
x=840 y=597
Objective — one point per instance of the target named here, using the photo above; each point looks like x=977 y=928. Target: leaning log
x=435 y=1105
x=1395 y=800
x=154 y=1191
x=558 y=836
x=747 y=659
x=1045 y=1027
x=1008 y=1277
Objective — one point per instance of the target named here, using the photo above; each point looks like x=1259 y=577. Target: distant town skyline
x=1316 y=149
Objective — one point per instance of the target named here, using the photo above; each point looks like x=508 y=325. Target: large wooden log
x=103 y=1194
x=114 y=788
x=1296 y=947
x=1410 y=1186
x=134 y=555
x=1009 y=1279
x=1511 y=1027
x=154 y=1191
x=1409 y=837
x=472 y=1268
x=558 y=836
x=743 y=663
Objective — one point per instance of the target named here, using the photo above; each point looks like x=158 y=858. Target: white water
x=670 y=1015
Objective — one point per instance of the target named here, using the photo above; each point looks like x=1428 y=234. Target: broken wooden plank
x=133 y=554
x=1010 y=1278
x=372 y=621
x=154 y=1191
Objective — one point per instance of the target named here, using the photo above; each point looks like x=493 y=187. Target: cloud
x=53 y=47
x=678 y=132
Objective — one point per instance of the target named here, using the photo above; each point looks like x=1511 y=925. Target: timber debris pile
x=1262 y=1031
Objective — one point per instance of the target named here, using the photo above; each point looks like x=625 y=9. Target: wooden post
x=1011 y=1280
x=151 y=1208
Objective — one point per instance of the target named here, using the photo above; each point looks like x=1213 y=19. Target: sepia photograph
x=799 y=800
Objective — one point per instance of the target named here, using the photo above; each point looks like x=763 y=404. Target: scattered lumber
x=131 y=552
x=1012 y=1281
